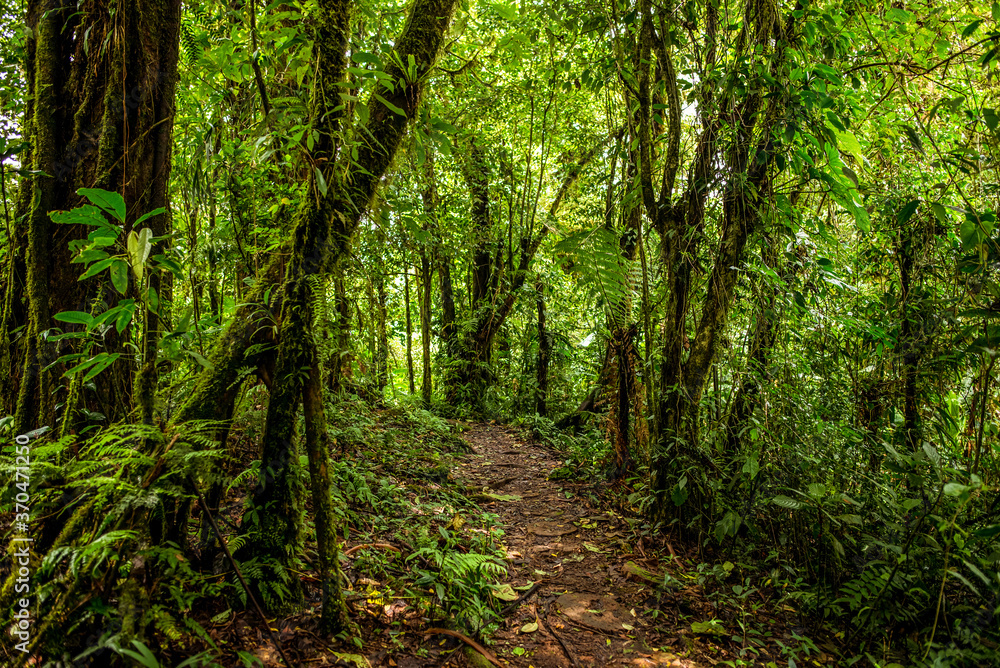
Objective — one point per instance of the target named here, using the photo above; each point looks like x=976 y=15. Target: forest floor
x=591 y=603
x=598 y=596
x=590 y=589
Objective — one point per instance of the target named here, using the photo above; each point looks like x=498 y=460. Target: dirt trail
x=589 y=606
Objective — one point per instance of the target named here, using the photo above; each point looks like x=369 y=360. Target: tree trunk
x=334 y=618
x=342 y=337
x=431 y=204
x=409 y=331
x=474 y=351
x=322 y=233
x=447 y=305
x=426 y=279
x=544 y=353
x=477 y=178
x=748 y=160
x=14 y=307
x=382 y=343
x=765 y=334
x=101 y=118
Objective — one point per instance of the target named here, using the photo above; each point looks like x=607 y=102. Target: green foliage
x=845 y=420
x=93 y=491
x=597 y=256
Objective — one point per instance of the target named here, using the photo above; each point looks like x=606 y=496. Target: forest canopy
x=274 y=274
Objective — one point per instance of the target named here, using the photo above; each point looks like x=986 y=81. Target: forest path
x=589 y=608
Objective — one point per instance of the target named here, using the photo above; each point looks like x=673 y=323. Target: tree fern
x=597 y=258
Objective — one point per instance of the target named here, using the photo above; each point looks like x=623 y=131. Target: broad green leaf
x=163 y=262
x=367 y=58
x=152 y=300
x=89 y=255
x=712 y=627
x=106 y=360
x=81 y=215
x=146 y=216
x=97 y=268
x=969 y=234
x=81 y=366
x=125 y=318
x=907 y=211
x=940 y=213
x=75 y=317
x=119 y=276
x=504 y=592
x=111 y=202
x=954 y=573
x=971 y=28
x=320 y=181
x=114 y=312
x=992 y=119
x=956 y=489
x=915 y=141
x=848 y=142
x=138 y=246
x=389 y=105
x=200 y=359
x=899 y=15
x=786 y=502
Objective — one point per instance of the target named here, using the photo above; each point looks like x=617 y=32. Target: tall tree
x=101 y=85
x=325 y=222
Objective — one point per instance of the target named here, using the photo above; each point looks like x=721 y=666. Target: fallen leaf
x=713 y=628
x=503 y=497
x=504 y=592
x=530 y=627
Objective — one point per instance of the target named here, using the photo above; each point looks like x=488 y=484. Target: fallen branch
x=381 y=546
x=548 y=627
x=239 y=574
x=521 y=599
x=676 y=560
x=468 y=641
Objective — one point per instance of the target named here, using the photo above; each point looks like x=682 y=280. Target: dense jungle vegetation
x=280 y=280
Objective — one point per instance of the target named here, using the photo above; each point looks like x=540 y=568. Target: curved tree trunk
x=323 y=228
x=748 y=160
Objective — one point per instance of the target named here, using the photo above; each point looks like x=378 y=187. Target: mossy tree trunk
x=341 y=334
x=765 y=333
x=323 y=228
x=382 y=338
x=13 y=310
x=429 y=195
x=748 y=158
x=101 y=117
x=621 y=345
x=426 y=281
x=448 y=327
x=409 y=330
